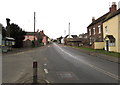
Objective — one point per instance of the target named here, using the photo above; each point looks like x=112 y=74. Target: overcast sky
x=53 y=16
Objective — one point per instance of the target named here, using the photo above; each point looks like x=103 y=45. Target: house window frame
x=99 y=29
x=90 y=32
x=112 y=43
x=90 y=41
x=94 y=30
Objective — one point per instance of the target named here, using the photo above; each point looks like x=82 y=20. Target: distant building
x=30 y=36
x=39 y=38
x=84 y=38
x=73 y=40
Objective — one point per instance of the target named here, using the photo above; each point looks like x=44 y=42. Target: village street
x=58 y=64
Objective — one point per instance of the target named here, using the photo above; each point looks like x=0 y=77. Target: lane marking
x=90 y=65
x=46 y=71
x=47 y=81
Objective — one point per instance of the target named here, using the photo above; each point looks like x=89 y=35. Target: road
x=58 y=64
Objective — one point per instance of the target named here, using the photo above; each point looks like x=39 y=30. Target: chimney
x=93 y=19
x=8 y=21
x=113 y=8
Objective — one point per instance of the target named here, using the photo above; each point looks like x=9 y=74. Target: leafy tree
x=18 y=34
x=3 y=32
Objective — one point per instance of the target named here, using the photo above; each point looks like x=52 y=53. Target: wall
x=112 y=30
x=0 y=34
x=119 y=33
x=98 y=45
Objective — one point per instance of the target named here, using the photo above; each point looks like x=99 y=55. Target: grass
x=114 y=54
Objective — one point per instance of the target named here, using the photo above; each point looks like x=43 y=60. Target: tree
x=3 y=32
x=18 y=34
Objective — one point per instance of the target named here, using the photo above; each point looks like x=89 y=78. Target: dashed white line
x=46 y=71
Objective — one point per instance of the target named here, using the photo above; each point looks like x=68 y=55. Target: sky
x=53 y=16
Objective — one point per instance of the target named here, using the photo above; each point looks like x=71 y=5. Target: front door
x=107 y=45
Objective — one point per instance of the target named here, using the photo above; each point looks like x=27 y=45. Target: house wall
x=98 y=45
x=112 y=25
x=97 y=36
x=119 y=33
x=30 y=37
x=0 y=34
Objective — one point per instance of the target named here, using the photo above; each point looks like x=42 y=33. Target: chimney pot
x=113 y=8
x=93 y=19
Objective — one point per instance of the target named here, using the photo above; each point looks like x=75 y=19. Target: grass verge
x=114 y=54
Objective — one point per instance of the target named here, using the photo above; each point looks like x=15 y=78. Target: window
x=90 y=41
x=99 y=29
x=106 y=29
x=94 y=31
x=112 y=43
x=89 y=31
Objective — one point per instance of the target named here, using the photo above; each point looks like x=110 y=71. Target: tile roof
x=100 y=19
x=30 y=33
x=112 y=15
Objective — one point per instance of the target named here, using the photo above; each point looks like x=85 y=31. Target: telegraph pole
x=34 y=26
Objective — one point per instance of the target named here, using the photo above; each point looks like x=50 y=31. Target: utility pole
x=69 y=30
x=34 y=28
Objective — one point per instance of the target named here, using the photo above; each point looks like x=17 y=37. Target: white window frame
x=94 y=30
x=89 y=31
x=99 y=29
x=111 y=43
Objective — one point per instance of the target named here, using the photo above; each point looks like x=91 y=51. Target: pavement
x=58 y=64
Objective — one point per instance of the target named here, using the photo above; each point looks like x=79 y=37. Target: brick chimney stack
x=93 y=19
x=113 y=8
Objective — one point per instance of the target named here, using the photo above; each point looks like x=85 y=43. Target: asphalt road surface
x=58 y=64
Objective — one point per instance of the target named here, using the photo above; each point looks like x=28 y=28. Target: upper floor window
x=106 y=29
x=99 y=29
x=89 y=31
x=94 y=31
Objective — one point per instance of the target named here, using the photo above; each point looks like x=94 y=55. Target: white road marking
x=46 y=71
x=47 y=81
x=92 y=66
x=45 y=64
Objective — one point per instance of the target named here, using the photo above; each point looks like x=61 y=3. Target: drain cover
x=67 y=75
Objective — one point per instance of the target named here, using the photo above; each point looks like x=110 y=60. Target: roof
x=112 y=15
x=74 y=36
x=66 y=36
x=110 y=37
x=9 y=38
x=100 y=19
x=30 y=33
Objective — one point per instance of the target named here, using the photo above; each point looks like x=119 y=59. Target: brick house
x=40 y=37
x=95 y=29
